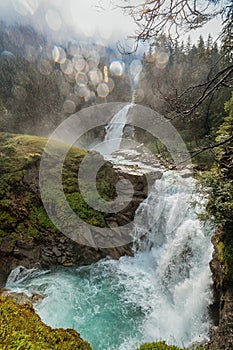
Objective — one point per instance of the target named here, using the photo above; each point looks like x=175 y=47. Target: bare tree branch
x=195 y=153
x=156 y=17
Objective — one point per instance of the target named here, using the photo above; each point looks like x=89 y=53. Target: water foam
x=163 y=292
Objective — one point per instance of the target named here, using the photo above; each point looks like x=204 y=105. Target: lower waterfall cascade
x=162 y=293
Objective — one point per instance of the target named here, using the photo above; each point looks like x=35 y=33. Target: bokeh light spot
x=59 y=54
x=44 y=67
x=53 y=20
x=69 y=106
x=103 y=90
x=95 y=76
x=79 y=63
x=116 y=68
x=81 y=79
x=67 y=67
x=83 y=91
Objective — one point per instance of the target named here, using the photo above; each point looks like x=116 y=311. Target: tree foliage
x=217 y=185
x=173 y=77
x=43 y=83
x=157 y=19
x=219 y=180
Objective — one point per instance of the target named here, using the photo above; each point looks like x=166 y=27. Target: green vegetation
x=21 y=328
x=175 y=90
x=217 y=184
x=23 y=216
x=162 y=346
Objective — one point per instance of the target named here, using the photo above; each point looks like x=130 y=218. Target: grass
x=22 y=215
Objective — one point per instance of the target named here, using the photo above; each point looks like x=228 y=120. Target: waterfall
x=114 y=132
x=163 y=292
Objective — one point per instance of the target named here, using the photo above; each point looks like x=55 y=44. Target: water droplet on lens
x=69 y=106
x=95 y=76
x=79 y=63
x=59 y=54
x=116 y=68
x=44 y=67
x=103 y=90
x=53 y=20
x=83 y=91
x=67 y=67
x=81 y=78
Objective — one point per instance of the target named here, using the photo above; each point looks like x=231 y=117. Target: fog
x=89 y=19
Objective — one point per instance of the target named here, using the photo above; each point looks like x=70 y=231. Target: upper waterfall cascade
x=114 y=131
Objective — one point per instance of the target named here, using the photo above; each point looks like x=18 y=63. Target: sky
x=96 y=20
x=61 y=18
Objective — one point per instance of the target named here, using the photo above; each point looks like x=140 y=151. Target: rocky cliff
x=27 y=236
x=221 y=333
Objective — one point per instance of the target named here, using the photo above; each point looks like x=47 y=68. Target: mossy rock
x=21 y=328
x=161 y=345
x=23 y=216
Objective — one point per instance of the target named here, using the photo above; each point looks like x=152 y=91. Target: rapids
x=163 y=292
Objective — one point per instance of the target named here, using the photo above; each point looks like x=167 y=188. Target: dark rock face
x=221 y=333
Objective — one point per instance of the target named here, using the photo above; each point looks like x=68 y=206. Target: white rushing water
x=163 y=292
x=114 y=131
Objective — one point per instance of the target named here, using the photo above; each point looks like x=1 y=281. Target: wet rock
x=221 y=333
x=6 y=245
x=56 y=251
x=21 y=298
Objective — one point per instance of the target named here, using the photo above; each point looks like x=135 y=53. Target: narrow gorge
x=120 y=297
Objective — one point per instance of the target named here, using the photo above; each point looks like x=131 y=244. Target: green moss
x=2 y=235
x=84 y=211
x=220 y=250
x=19 y=151
x=6 y=217
x=21 y=328
x=162 y=346
x=40 y=220
x=22 y=213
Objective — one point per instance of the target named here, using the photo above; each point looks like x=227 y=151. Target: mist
x=61 y=20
